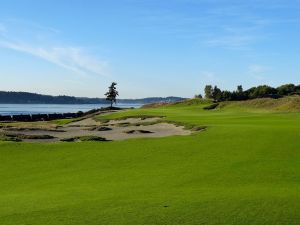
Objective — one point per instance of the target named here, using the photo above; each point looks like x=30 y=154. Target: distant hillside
x=32 y=98
x=285 y=104
x=185 y=102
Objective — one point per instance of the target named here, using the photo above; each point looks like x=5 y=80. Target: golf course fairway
x=243 y=169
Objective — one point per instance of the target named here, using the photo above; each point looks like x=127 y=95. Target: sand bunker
x=88 y=127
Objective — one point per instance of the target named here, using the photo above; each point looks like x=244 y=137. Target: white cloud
x=75 y=59
x=236 y=26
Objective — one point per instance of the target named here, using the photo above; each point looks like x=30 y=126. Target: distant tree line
x=262 y=91
x=32 y=98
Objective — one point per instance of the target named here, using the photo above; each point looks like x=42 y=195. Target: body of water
x=19 y=109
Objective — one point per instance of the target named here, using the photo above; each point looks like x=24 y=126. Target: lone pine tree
x=112 y=93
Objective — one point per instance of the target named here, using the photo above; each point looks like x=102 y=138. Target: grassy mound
x=286 y=104
x=194 y=101
x=188 y=102
x=154 y=105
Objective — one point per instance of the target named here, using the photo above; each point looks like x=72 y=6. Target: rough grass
x=194 y=101
x=26 y=136
x=19 y=137
x=188 y=102
x=4 y=137
x=187 y=126
x=40 y=124
x=142 y=117
x=83 y=138
x=62 y=122
x=148 y=123
x=117 y=117
x=105 y=119
x=286 y=104
x=243 y=170
x=212 y=106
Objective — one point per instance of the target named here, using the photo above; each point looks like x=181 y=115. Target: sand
x=113 y=130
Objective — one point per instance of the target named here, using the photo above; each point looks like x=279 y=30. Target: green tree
x=198 y=96
x=208 y=90
x=217 y=94
x=261 y=91
x=240 y=93
x=239 y=89
x=112 y=93
x=286 y=89
x=226 y=95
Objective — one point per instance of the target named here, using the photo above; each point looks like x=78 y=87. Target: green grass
x=242 y=170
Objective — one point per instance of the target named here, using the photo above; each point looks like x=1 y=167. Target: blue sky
x=149 y=47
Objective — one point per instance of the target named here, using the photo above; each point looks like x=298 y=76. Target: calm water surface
x=18 y=109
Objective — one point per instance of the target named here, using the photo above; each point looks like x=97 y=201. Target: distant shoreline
x=33 y=98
